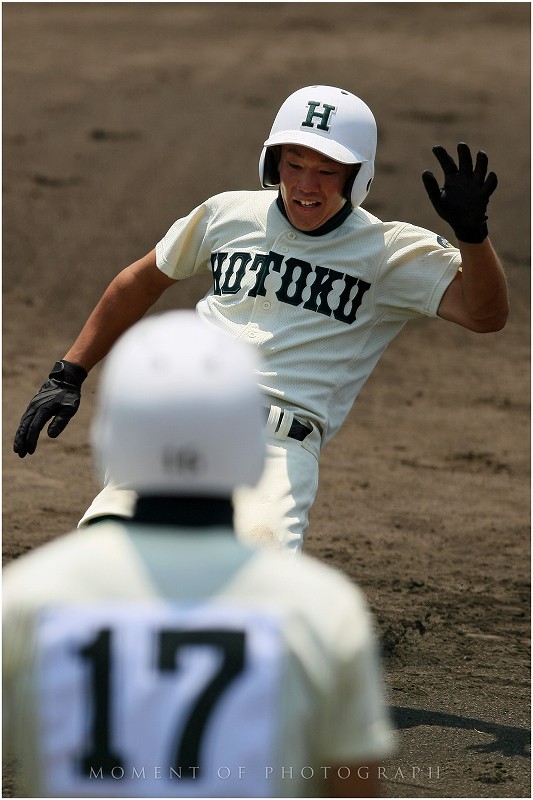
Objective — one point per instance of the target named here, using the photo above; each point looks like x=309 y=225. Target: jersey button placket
x=292 y=236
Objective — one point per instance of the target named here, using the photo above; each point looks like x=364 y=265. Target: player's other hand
x=58 y=399
x=462 y=200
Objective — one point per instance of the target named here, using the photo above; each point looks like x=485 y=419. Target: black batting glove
x=58 y=398
x=463 y=199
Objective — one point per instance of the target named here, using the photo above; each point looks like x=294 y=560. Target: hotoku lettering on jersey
x=313 y=287
x=155 y=701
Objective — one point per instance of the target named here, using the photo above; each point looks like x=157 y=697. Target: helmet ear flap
x=347 y=192
x=362 y=183
x=268 y=166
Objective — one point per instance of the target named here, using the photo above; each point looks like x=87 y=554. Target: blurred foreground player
x=161 y=656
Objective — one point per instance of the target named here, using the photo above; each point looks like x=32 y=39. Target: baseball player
x=162 y=657
x=319 y=285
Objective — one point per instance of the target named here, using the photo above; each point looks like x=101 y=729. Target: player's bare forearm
x=484 y=284
x=477 y=298
x=127 y=298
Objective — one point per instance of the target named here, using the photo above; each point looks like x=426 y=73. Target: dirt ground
x=120 y=117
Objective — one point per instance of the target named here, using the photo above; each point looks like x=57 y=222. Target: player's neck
x=185 y=512
x=334 y=222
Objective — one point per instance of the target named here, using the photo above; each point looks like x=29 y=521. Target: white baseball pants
x=274 y=513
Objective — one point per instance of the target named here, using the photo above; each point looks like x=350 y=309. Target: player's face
x=311 y=186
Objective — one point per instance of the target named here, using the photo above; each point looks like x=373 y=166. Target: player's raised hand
x=462 y=200
x=58 y=399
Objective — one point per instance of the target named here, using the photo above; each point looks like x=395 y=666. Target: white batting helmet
x=179 y=409
x=332 y=121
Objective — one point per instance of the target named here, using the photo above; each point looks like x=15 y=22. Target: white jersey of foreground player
x=283 y=648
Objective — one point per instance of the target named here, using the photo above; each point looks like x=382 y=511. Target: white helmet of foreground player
x=332 y=121
x=179 y=410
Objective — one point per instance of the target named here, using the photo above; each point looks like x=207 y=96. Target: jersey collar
x=184 y=512
x=334 y=222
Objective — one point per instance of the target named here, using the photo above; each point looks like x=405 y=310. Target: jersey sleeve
x=19 y=718
x=417 y=269
x=356 y=719
x=183 y=250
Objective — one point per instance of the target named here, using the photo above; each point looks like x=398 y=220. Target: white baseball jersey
x=156 y=662
x=320 y=308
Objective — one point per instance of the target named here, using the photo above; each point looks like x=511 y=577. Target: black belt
x=297 y=430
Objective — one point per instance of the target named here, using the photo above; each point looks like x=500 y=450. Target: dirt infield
x=119 y=118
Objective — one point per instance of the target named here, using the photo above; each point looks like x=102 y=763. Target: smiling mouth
x=307 y=203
